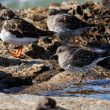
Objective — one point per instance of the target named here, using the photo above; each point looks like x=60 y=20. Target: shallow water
x=18 y=4
x=96 y=89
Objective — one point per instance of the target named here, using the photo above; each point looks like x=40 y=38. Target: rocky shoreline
x=37 y=73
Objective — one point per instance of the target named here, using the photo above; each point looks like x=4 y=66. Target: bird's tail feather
x=105 y=54
x=97 y=61
x=79 y=31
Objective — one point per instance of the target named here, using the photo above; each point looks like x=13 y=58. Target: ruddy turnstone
x=77 y=59
x=64 y=24
x=19 y=32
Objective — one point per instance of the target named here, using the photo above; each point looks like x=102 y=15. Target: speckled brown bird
x=18 y=32
x=77 y=59
x=65 y=24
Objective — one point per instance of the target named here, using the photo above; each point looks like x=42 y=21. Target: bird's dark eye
x=60 y=50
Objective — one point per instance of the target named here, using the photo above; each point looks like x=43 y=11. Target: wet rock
x=5 y=62
x=16 y=72
x=61 y=80
x=64 y=77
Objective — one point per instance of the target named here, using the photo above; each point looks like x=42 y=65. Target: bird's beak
x=53 y=56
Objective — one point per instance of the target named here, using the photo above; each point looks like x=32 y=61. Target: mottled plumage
x=22 y=28
x=17 y=31
x=61 y=22
x=78 y=59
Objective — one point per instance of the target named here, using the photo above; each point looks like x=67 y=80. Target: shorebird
x=18 y=32
x=64 y=24
x=106 y=3
x=77 y=59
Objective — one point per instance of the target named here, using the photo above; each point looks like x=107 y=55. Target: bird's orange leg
x=17 y=54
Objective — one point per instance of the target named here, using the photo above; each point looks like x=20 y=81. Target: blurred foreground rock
x=30 y=102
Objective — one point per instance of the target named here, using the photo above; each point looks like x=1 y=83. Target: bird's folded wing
x=83 y=58
x=22 y=28
x=71 y=22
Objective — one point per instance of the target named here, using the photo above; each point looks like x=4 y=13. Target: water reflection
x=16 y=4
x=95 y=89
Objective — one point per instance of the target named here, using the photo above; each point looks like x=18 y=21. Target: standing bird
x=18 y=32
x=106 y=3
x=80 y=60
x=65 y=24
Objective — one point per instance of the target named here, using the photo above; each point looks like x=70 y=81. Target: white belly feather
x=12 y=39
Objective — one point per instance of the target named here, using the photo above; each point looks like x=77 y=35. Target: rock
x=32 y=102
x=68 y=5
x=16 y=72
x=59 y=81
x=63 y=77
